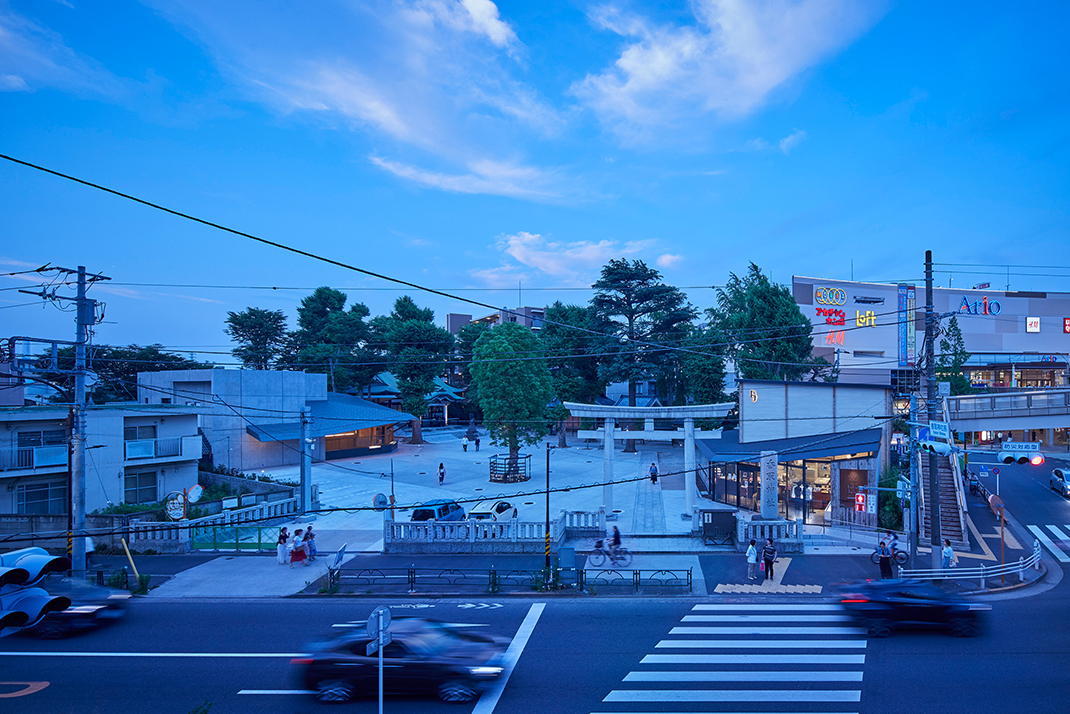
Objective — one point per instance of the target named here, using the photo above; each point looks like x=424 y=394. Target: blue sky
x=475 y=148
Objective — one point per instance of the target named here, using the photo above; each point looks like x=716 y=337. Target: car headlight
x=85 y=609
x=484 y=671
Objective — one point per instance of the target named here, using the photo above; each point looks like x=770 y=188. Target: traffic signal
x=1008 y=457
x=860 y=502
x=941 y=448
x=20 y=604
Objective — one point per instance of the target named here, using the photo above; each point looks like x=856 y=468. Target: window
x=140 y=487
x=56 y=437
x=45 y=498
x=137 y=433
x=165 y=400
x=868 y=353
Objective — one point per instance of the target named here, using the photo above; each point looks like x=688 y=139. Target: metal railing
x=982 y=573
x=635 y=578
x=152 y=448
x=235 y=538
x=33 y=457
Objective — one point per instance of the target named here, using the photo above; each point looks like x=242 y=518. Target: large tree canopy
x=261 y=336
x=574 y=370
x=116 y=369
x=417 y=350
x=514 y=386
x=767 y=334
x=330 y=339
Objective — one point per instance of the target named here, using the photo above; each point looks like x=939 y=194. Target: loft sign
x=984 y=306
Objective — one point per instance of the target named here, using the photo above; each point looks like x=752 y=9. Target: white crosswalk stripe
x=748 y=641
x=1048 y=543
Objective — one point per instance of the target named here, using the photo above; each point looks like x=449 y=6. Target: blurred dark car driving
x=883 y=605
x=91 y=606
x=424 y=657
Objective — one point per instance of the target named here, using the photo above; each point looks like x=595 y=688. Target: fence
x=510 y=536
x=982 y=573
x=504 y=469
x=786 y=534
x=235 y=538
x=178 y=537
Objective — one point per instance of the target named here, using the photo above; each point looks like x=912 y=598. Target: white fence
x=471 y=536
x=177 y=536
x=982 y=573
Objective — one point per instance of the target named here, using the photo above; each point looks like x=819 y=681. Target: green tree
x=952 y=359
x=116 y=369
x=566 y=337
x=633 y=304
x=416 y=352
x=514 y=388
x=261 y=336
x=702 y=366
x=467 y=337
x=767 y=334
x=333 y=340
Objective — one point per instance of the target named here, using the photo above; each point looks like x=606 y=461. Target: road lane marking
x=770 y=608
x=762 y=644
x=1055 y=550
x=737 y=676
x=1058 y=533
x=279 y=655
x=767 y=631
x=277 y=691
x=732 y=695
x=765 y=618
x=752 y=659
x=27 y=688
x=490 y=698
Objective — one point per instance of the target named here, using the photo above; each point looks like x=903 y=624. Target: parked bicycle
x=598 y=557
x=899 y=556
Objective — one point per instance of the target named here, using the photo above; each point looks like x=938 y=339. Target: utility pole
x=930 y=398
x=548 y=447
x=306 y=460
x=85 y=316
x=915 y=472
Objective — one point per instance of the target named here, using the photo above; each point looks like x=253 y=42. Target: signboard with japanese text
x=907 y=333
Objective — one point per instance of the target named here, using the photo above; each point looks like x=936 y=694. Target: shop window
x=140 y=487
x=44 y=498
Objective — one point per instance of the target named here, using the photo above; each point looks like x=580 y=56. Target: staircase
x=951 y=517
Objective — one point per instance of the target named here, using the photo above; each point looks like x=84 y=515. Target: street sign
x=1019 y=446
x=373 y=621
x=380 y=502
x=940 y=430
x=373 y=646
x=943 y=389
x=995 y=471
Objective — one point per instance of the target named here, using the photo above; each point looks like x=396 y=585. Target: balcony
x=33 y=457
x=176 y=448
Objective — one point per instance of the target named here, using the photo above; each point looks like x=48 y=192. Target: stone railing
x=177 y=536
x=787 y=535
x=508 y=536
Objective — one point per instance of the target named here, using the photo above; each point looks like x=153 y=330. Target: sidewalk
x=648 y=515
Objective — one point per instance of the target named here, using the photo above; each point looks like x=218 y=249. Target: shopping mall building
x=876 y=331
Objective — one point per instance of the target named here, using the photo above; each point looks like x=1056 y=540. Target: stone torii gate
x=610 y=433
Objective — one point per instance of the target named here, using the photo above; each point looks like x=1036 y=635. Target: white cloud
x=504 y=276
x=32 y=57
x=479 y=17
x=486 y=177
x=568 y=261
x=728 y=63
x=668 y=260
x=792 y=140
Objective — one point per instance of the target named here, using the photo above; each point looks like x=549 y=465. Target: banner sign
x=907 y=333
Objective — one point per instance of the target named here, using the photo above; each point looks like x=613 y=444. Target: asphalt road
x=583 y=656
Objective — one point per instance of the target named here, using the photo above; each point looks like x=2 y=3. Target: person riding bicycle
x=614 y=543
x=894 y=544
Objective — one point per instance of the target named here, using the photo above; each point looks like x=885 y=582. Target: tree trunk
x=562 y=443
x=512 y=470
x=417 y=435
x=629 y=445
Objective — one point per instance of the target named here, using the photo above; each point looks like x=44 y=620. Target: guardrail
x=235 y=538
x=635 y=578
x=982 y=573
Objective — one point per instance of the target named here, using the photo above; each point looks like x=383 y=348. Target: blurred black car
x=91 y=606
x=881 y=605
x=425 y=657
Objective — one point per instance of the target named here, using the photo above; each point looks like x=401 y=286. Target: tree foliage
x=573 y=369
x=634 y=305
x=702 y=366
x=261 y=336
x=953 y=356
x=416 y=349
x=332 y=340
x=514 y=389
x=116 y=369
x=767 y=334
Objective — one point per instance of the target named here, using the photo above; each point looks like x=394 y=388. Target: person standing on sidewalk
x=769 y=557
x=310 y=544
x=280 y=549
x=752 y=560
x=464 y=443
x=477 y=442
x=441 y=474
x=884 y=557
x=654 y=473
x=948 y=560
x=297 y=553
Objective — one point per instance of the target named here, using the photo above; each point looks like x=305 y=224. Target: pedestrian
x=752 y=560
x=280 y=549
x=297 y=553
x=441 y=474
x=310 y=544
x=949 y=560
x=653 y=473
x=768 y=558
x=464 y=443
x=477 y=442
x=884 y=557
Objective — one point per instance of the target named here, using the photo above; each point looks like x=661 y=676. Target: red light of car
x=855 y=598
x=301 y=661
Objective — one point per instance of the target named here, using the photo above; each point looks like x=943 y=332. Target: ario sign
x=984 y=306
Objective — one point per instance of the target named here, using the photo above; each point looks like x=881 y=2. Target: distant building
x=529 y=317
x=252 y=418
x=384 y=390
